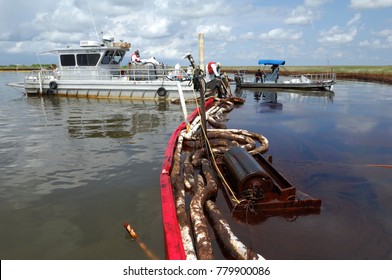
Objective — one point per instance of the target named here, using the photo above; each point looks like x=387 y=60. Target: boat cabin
x=92 y=60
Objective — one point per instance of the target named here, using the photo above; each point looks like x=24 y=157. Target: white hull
x=305 y=82
x=125 y=89
x=325 y=85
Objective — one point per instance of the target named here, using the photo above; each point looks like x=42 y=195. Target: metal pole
x=202 y=106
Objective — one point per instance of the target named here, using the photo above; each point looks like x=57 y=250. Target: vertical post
x=40 y=82
x=184 y=111
x=201 y=51
x=202 y=106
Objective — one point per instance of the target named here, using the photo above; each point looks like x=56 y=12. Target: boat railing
x=244 y=77
x=42 y=74
x=314 y=77
x=133 y=73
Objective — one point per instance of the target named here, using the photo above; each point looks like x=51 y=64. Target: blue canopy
x=271 y=62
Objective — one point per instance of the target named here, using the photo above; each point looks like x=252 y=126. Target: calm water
x=72 y=171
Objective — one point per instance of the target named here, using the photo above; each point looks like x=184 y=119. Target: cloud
x=384 y=43
x=234 y=31
x=300 y=16
x=195 y=9
x=375 y=44
x=354 y=20
x=216 y=32
x=315 y=3
x=385 y=33
x=172 y=50
x=247 y=36
x=370 y=4
x=281 y=34
x=339 y=35
x=158 y=27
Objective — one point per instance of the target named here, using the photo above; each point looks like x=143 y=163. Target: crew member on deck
x=275 y=71
x=135 y=58
x=214 y=84
x=258 y=76
x=213 y=70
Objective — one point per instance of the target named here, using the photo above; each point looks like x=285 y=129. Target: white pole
x=182 y=100
x=40 y=82
x=201 y=51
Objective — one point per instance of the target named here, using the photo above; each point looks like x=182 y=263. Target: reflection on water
x=89 y=120
x=268 y=100
x=323 y=144
x=44 y=135
x=72 y=171
x=114 y=126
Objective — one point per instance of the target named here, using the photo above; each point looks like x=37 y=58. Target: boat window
x=113 y=57
x=107 y=57
x=87 y=59
x=118 y=56
x=67 y=60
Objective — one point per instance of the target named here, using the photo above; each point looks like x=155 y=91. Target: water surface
x=325 y=145
x=72 y=171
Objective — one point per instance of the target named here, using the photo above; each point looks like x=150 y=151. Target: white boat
x=272 y=78
x=93 y=70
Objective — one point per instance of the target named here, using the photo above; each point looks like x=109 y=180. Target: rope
x=225 y=183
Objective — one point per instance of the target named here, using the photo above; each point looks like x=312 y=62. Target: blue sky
x=307 y=32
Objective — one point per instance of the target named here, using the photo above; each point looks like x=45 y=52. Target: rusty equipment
x=245 y=172
x=261 y=189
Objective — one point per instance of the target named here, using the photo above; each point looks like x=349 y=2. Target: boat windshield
x=113 y=57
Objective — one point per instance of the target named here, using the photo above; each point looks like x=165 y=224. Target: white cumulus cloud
x=370 y=4
x=301 y=16
x=281 y=34
x=341 y=35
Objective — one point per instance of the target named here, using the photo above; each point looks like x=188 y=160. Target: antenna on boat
x=92 y=18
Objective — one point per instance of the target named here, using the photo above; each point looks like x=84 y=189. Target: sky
x=236 y=33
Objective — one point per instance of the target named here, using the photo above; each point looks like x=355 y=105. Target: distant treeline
x=24 y=67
